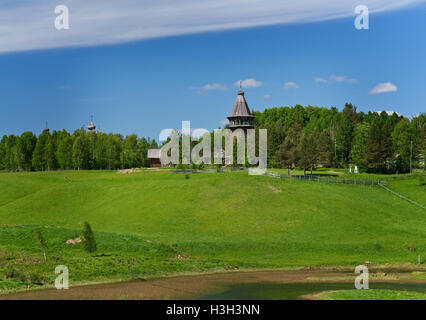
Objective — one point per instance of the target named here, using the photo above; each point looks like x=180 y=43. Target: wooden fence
x=341 y=180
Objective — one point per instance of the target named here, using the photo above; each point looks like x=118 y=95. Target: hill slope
x=207 y=221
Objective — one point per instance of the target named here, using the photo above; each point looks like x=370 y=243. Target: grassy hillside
x=410 y=189
x=151 y=223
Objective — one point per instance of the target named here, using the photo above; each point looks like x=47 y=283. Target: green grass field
x=372 y=294
x=156 y=223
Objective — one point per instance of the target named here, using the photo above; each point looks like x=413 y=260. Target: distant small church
x=91 y=126
x=240 y=118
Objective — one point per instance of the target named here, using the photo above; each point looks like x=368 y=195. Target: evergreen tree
x=287 y=154
x=89 y=241
x=402 y=138
x=372 y=156
x=307 y=152
x=325 y=148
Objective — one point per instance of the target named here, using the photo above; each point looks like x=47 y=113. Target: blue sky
x=146 y=76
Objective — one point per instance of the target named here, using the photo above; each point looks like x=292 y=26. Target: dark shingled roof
x=240 y=107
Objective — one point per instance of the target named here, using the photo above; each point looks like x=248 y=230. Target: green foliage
x=89 y=241
x=41 y=152
x=25 y=148
x=375 y=142
x=64 y=150
x=308 y=151
x=422 y=181
x=372 y=294
x=359 y=144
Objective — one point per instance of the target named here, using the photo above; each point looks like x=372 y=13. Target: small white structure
x=356 y=169
x=154 y=156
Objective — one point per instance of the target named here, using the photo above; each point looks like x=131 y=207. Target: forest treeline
x=305 y=137
x=80 y=150
x=316 y=136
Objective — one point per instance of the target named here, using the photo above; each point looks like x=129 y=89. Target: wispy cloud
x=334 y=78
x=383 y=87
x=248 y=83
x=29 y=25
x=291 y=84
x=209 y=87
x=343 y=79
x=320 y=80
x=267 y=96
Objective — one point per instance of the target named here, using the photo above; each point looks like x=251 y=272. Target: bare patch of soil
x=274 y=189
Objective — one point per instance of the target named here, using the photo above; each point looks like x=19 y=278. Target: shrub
x=12 y=273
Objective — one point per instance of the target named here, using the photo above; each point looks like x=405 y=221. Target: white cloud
x=343 y=79
x=214 y=86
x=383 y=87
x=224 y=122
x=248 y=83
x=320 y=80
x=29 y=25
x=267 y=96
x=291 y=84
x=209 y=87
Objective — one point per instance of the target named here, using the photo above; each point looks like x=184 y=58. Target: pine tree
x=402 y=138
x=307 y=152
x=372 y=155
x=89 y=241
x=287 y=154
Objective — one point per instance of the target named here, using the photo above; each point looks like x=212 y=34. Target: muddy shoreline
x=249 y=284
